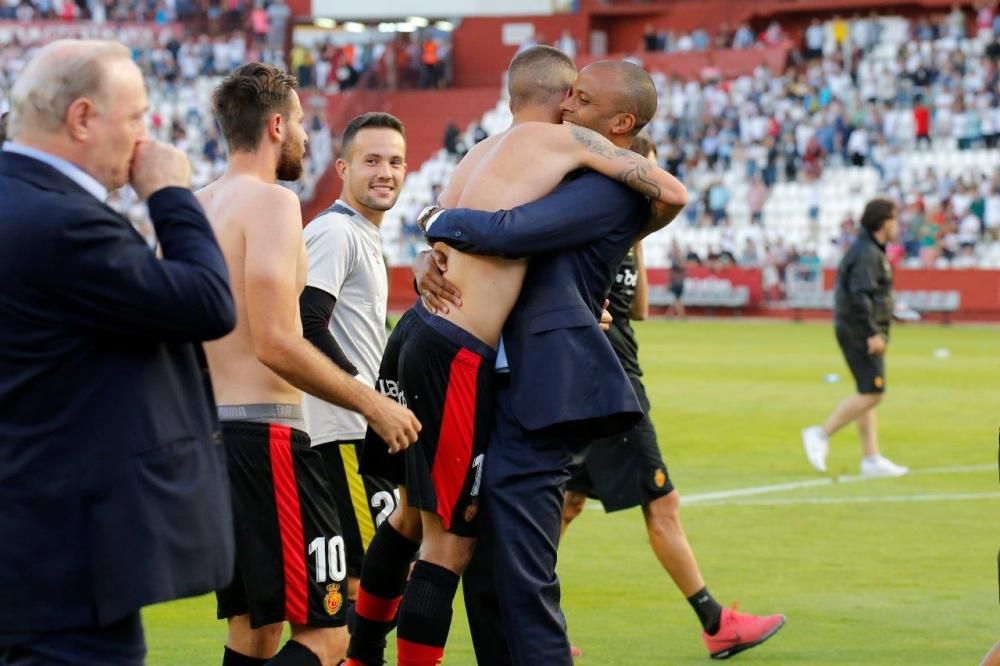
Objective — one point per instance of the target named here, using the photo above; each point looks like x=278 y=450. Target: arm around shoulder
x=576 y=213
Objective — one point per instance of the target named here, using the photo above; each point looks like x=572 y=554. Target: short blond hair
x=59 y=74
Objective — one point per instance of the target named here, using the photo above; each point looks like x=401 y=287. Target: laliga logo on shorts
x=471 y=511
x=334 y=599
x=390 y=389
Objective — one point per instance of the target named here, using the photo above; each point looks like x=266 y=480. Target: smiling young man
x=343 y=313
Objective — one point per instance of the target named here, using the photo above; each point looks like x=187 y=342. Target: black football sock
x=233 y=658
x=295 y=654
x=708 y=609
x=425 y=615
x=383 y=577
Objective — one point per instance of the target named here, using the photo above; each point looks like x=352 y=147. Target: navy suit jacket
x=113 y=488
x=564 y=373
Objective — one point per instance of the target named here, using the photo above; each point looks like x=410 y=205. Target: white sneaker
x=815 y=443
x=880 y=466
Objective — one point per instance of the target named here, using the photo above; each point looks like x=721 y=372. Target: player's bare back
x=515 y=167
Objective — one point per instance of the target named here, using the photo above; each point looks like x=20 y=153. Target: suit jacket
x=564 y=373
x=113 y=489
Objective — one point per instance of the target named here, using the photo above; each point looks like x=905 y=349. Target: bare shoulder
x=270 y=205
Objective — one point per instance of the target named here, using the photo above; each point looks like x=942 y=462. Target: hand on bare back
x=395 y=424
x=429 y=268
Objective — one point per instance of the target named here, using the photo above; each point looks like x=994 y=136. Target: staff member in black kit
x=627 y=470
x=863 y=311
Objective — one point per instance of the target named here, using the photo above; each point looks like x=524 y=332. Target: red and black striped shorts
x=290 y=557
x=445 y=376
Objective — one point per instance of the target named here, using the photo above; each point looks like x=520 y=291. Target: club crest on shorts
x=660 y=478
x=334 y=599
x=879 y=382
x=471 y=511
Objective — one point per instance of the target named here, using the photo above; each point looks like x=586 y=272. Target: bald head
x=59 y=74
x=539 y=76
x=631 y=89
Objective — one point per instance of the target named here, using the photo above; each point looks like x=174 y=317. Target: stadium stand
x=778 y=163
x=786 y=162
x=180 y=73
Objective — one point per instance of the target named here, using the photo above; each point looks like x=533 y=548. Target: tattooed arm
x=587 y=148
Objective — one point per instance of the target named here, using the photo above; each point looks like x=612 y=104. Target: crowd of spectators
x=180 y=72
x=420 y=59
x=264 y=21
x=844 y=101
x=743 y=37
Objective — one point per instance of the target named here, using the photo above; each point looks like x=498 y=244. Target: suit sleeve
x=112 y=282
x=575 y=214
x=862 y=283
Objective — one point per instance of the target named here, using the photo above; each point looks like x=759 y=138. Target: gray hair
x=59 y=74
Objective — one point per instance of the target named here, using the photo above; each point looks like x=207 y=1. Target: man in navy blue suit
x=446 y=362
x=559 y=382
x=112 y=483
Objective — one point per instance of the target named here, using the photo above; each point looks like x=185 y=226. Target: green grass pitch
x=896 y=571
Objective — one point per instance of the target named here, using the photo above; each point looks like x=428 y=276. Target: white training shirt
x=345 y=260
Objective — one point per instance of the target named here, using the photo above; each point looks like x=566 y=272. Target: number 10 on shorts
x=330 y=555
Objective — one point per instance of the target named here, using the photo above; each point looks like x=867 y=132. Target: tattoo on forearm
x=636 y=174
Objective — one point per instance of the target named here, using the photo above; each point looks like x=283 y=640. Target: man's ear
x=276 y=127
x=341 y=167
x=623 y=123
x=79 y=117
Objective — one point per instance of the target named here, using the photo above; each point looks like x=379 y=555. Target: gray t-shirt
x=345 y=260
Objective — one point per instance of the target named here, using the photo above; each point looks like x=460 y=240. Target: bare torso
x=238 y=377
x=501 y=172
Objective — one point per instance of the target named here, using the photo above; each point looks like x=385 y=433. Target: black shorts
x=868 y=370
x=290 y=559
x=375 y=458
x=445 y=376
x=363 y=501
x=625 y=470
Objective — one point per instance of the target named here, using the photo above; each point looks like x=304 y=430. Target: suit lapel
x=43 y=176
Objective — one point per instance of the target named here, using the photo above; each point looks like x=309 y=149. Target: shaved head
x=633 y=91
x=538 y=76
x=57 y=75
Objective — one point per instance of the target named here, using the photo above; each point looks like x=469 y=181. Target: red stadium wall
x=979 y=289
x=481 y=57
x=425 y=114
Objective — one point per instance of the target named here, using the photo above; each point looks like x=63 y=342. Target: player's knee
x=406 y=521
x=664 y=513
x=452 y=552
x=573 y=504
x=872 y=399
x=261 y=642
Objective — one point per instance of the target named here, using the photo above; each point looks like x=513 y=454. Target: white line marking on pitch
x=696 y=498
x=714 y=497
x=791 y=501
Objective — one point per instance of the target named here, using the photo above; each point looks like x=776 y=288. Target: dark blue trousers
x=118 y=644
x=511 y=589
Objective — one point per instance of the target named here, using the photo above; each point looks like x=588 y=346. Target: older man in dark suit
x=112 y=484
